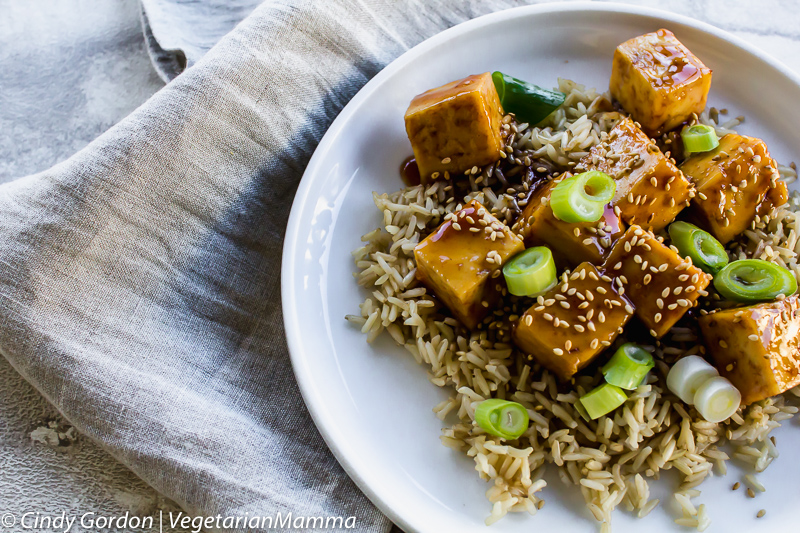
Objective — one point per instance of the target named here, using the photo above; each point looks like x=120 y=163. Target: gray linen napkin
x=179 y=32
x=139 y=287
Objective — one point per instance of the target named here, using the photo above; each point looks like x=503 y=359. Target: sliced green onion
x=699 y=138
x=754 y=280
x=582 y=198
x=628 y=366
x=688 y=375
x=501 y=418
x=717 y=399
x=602 y=400
x=528 y=102
x=531 y=272
x=706 y=251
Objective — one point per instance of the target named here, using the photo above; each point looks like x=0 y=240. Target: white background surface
x=70 y=69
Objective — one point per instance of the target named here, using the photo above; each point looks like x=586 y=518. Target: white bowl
x=373 y=404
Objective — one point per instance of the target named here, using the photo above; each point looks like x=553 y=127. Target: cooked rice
x=610 y=460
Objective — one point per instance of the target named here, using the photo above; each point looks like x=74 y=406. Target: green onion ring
x=501 y=418
x=531 y=272
x=582 y=198
x=699 y=138
x=602 y=400
x=706 y=251
x=754 y=280
x=628 y=366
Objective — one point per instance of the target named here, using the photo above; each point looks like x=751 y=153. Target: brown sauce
x=409 y=172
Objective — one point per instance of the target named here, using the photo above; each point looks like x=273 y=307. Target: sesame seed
x=723 y=344
x=568 y=345
x=729 y=368
x=653 y=333
x=628 y=309
x=750 y=493
x=672 y=307
x=736 y=486
x=547 y=316
x=657 y=318
x=565 y=305
x=446 y=160
x=591 y=326
x=558 y=351
x=579 y=328
x=665 y=293
x=593 y=345
x=660 y=303
x=587 y=241
x=753 y=337
x=761 y=513
x=556 y=322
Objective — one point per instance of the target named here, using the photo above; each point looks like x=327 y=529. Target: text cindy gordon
x=33 y=521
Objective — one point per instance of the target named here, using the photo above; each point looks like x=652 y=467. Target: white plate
x=373 y=403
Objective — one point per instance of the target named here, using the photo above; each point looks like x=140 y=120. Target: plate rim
x=293 y=321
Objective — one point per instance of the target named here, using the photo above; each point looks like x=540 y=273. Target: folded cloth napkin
x=139 y=286
x=179 y=32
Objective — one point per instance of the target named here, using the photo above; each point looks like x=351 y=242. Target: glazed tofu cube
x=661 y=285
x=651 y=190
x=571 y=244
x=734 y=182
x=659 y=81
x=456 y=126
x=756 y=347
x=573 y=322
x=461 y=266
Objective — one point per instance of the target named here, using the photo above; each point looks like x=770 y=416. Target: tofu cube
x=734 y=181
x=651 y=190
x=659 y=81
x=757 y=347
x=461 y=266
x=661 y=285
x=573 y=322
x=571 y=244
x=456 y=126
